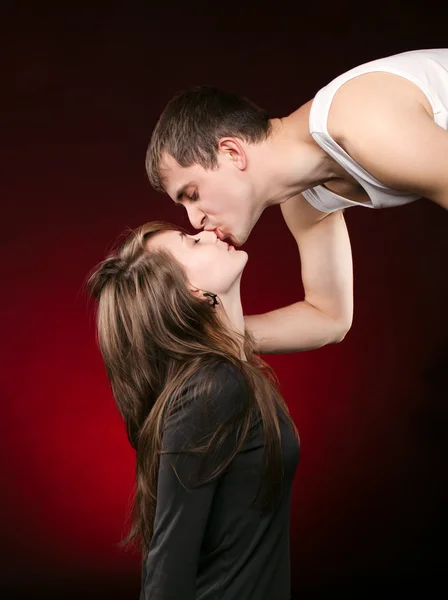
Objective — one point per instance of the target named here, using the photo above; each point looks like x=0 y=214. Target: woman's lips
x=222 y=236
x=229 y=247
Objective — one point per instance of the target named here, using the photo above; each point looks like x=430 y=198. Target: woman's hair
x=193 y=122
x=154 y=336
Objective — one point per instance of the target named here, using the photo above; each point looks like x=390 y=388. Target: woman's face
x=210 y=264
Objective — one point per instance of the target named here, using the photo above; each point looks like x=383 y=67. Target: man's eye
x=194 y=196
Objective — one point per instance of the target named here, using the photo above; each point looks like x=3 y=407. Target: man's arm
x=325 y=315
x=406 y=151
x=385 y=124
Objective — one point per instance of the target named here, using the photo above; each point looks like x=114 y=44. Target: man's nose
x=196 y=217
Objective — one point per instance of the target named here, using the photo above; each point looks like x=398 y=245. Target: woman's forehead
x=168 y=238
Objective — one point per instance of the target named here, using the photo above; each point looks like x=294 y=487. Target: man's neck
x=290 y=161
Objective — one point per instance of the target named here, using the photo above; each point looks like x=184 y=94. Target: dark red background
x=81 y=90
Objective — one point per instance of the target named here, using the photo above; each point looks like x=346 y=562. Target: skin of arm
x=386 y=124
x=326 y=313
x=406 y=151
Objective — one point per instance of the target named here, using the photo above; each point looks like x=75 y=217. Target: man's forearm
x=327 y=268
x=294 y=328
x=325 y=315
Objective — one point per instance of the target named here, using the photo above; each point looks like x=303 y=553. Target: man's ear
x=232 y=149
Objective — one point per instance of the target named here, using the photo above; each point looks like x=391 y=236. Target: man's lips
x=222 y=236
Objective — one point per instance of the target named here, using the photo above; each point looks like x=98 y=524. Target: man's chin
x=235 y=240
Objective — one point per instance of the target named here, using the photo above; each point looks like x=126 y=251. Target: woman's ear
x=196 y=292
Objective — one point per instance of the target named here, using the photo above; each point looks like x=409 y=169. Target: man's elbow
x=340 y=331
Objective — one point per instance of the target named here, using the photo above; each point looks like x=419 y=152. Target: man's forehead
x=167 y=171
x=170 y=167
x=171 y=174
x=175 y=179
x=168 y=162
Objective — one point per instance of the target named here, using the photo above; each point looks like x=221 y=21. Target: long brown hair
x=154 y=336
x=193 y=122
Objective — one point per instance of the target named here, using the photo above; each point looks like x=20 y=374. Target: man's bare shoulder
x=379 y=120
x=363 y=102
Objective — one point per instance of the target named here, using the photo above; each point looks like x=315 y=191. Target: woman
x=216 y=448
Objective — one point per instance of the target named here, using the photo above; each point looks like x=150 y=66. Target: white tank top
x=426 y=68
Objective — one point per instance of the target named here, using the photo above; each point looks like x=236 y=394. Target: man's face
x=220 y=200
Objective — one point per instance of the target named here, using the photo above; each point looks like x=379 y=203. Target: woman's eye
x=196 y=241
x=194 y=196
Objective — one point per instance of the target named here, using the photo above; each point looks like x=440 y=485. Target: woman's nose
x=209 y=236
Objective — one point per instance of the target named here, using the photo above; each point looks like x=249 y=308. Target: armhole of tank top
x=312 y=197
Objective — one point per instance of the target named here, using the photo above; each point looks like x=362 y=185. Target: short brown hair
x=193 y=122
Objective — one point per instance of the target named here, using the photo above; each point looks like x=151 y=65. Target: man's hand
x=325 y=316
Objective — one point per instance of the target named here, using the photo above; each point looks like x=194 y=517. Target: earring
x=213 y=297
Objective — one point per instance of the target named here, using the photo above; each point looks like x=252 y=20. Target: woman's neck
x=234 y=317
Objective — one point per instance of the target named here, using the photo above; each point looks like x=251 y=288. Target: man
x=376 y=136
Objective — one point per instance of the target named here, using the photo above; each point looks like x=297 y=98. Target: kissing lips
x=223 y=237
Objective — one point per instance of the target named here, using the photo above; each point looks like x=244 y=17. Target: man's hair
x=193 y=122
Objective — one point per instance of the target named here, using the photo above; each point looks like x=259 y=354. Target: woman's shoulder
x=215 y=393
x=223 y=374
x=221 y=385
x=224 y=368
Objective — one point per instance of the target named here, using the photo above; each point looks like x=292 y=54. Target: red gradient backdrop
x=81 y=92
